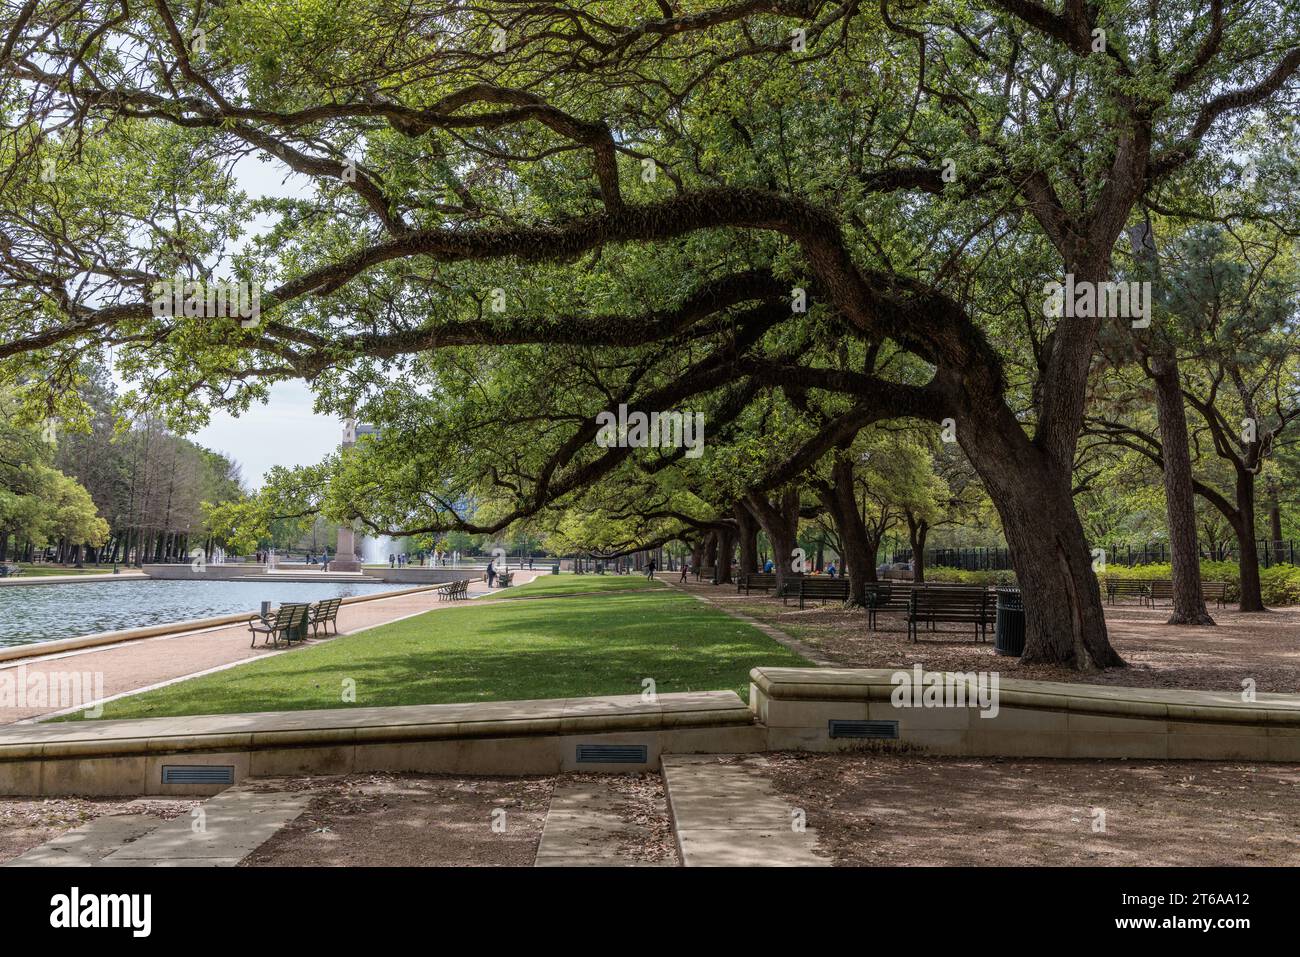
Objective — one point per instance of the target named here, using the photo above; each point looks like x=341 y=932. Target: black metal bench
x=822 y=588
x=932 y=604
x=1129 y=588
x=761 y=581
x=504 y=579
x=288 y=621
x=323 y=614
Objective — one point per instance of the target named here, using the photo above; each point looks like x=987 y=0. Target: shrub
x=1280 y=585
x=961 y=577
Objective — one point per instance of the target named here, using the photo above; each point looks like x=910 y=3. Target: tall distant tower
x=346 y=559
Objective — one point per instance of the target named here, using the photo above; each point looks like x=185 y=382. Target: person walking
x=650 y=569
x=686 y=567
x=491 y=573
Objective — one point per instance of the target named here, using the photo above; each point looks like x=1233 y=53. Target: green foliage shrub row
x=1280 y=584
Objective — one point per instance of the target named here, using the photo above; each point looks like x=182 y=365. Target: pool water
x=31 y=613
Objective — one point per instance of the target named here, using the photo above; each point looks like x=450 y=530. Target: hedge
x=1280 y=585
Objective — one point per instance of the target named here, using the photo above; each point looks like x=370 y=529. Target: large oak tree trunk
x=726 y=543
x=747 y=533
x=780 y=519
x=1180 y=506
x=841 y=501
x=1065 y=622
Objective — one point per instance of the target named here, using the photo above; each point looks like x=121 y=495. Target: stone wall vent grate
x=863 y=729
x=613 y=754
x=198 y=774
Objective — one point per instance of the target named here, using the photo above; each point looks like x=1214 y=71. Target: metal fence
x=993 y=558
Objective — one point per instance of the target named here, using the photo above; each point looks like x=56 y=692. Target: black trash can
x=1010 y=628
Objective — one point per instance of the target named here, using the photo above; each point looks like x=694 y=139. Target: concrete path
x=726 y=814
x=64 y=579
x=586 y=828
x=218 y=833
x=221 y=832
x=146 y=663
x=89 y=844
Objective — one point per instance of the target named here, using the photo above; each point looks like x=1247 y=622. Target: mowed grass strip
x=566 y=647
x=567 y=584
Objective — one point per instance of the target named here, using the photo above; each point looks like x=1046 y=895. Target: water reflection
x=31 y=613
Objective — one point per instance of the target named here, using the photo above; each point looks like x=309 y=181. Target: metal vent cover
x=198 y=774
x=613 y=754
x=863 y=729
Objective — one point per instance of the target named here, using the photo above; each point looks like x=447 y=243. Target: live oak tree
x=558 y=174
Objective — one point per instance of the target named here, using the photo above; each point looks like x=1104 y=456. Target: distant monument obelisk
x=345 y=560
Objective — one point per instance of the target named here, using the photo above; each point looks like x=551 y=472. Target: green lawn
x=548 y=648
x=566 y=584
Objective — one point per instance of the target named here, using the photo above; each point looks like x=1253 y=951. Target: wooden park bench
x=760 y=581
x=820 y=587
x=887 y=596
x=453 y=591
x=289 y=620
x=1129 y=588
x=504 y=579
x=323 y=614
x=932 y=604
x=1164 y=590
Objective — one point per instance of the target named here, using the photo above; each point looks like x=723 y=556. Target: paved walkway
x=726 y=814
x=218 y=833
x=64 y=579
x=586 y=827
x=148 y=662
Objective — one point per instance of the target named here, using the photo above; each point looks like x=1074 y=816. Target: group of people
x=398 y=561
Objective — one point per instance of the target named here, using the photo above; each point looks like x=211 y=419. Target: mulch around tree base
x=901 y=809
x=1261 y=646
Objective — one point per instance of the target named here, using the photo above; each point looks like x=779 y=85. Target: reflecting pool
x=31 y=613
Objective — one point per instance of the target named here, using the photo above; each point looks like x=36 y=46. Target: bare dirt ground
x=899 y=809
x=1262 y=646
x=410 y=820
x=28 y=822
x=426 y=820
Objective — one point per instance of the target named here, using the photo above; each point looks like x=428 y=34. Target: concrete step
x=230 y=826
x=87 y=845
x=585 y=828
x=726 y=814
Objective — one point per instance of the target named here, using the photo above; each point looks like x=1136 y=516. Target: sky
x=285 y=431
